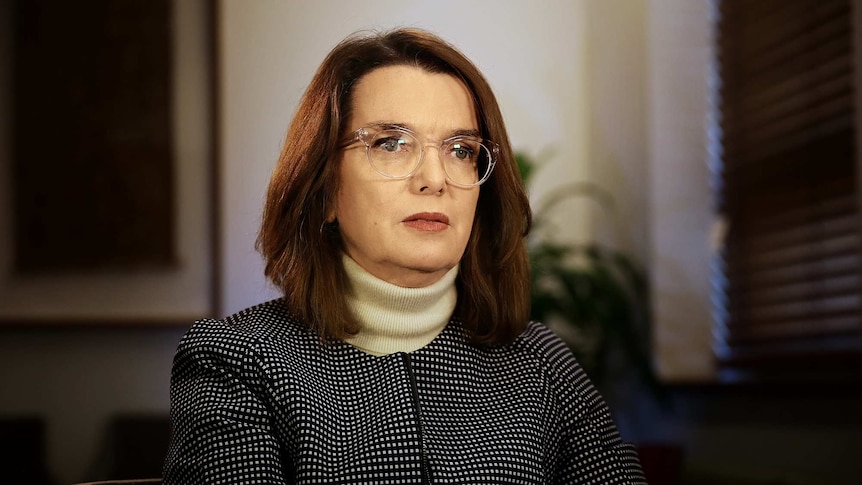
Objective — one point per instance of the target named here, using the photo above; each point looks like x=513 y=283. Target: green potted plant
x=598 y=295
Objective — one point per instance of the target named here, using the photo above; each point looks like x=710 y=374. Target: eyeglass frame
x=360 y=133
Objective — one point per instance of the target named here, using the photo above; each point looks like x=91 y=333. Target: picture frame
x=177 y=285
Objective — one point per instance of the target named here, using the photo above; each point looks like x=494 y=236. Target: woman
x=400 y=352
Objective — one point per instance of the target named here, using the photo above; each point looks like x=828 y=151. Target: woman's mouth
x=427 y=221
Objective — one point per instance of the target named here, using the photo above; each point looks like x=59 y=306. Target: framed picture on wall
x=107 y=174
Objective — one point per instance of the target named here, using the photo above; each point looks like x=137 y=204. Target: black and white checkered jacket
x=257 y=398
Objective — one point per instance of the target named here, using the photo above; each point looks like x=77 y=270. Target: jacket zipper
x=423 y=455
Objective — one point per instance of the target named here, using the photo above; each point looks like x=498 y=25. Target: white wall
x=616 y=106
x=680 y=198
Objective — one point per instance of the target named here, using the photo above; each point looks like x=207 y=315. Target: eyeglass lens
x=396 y=154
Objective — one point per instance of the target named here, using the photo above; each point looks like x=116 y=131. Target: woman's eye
x=390 y=144
x=462 y=152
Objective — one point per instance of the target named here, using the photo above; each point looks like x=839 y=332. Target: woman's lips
x=427 y=221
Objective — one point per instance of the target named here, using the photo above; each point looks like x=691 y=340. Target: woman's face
x=408 y=232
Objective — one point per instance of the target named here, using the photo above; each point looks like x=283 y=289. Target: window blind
x=788 y=294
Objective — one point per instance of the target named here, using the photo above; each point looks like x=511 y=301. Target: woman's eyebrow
x=465 y=132
x=388 y=125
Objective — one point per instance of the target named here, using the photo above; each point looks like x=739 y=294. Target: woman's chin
x=420 y=274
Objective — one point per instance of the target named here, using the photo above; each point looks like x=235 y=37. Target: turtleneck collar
x=396 y=319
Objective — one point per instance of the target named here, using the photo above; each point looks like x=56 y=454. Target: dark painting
x=92 y=168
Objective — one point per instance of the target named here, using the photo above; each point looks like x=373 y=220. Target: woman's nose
x=430 y=177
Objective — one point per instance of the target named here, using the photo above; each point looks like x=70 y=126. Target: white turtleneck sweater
x=393 y=318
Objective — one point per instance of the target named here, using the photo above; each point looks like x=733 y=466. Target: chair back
x=143 y=481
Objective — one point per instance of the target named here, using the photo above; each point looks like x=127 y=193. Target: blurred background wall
x=614 y=90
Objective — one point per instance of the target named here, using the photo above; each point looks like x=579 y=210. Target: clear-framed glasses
x=397 y=153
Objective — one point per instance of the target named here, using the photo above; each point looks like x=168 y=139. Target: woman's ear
x=331 y=213
x=330 y=203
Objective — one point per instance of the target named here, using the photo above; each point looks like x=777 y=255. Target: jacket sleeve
x=592 y=450
x=221 y=430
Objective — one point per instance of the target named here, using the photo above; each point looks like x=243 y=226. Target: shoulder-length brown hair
x=303 y=253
